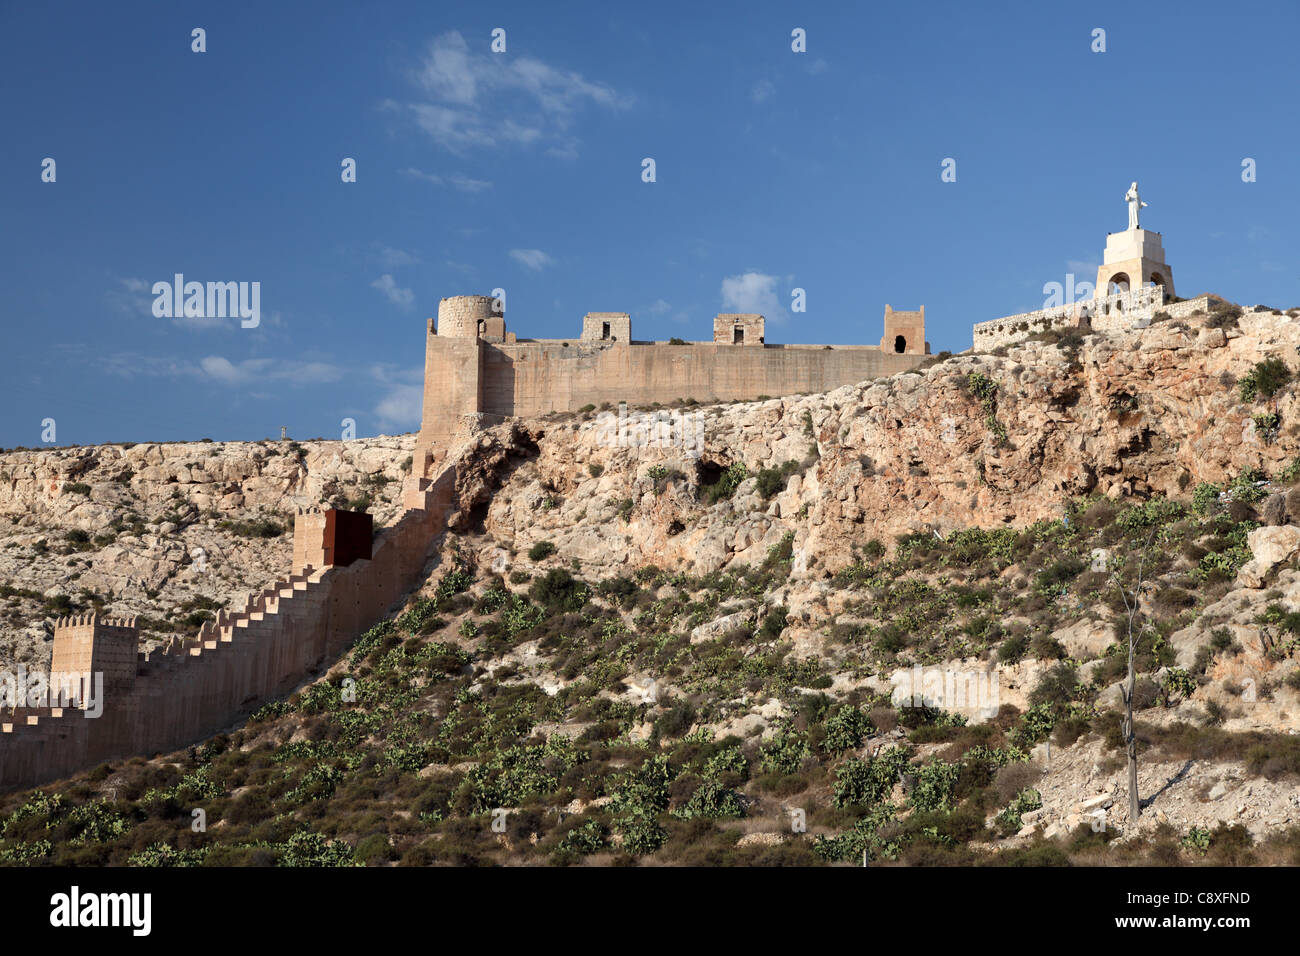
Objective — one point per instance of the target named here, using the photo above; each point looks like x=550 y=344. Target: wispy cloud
x=310 y=369
x=762 y=91
x=663 y=307
x=130 y=296
x=477 y=99
x=400 y=408
x=262 y=370
x=457 y=181
x=402 y=403
x=391 y=258
x=402 y=298
x=533 y=259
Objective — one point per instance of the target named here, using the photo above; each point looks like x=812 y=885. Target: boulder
x=1085 y=639
x=1273 y=545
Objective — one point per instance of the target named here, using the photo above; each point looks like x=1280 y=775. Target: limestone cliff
x=1147 y=412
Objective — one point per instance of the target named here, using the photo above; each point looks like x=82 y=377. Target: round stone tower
x=464 y=316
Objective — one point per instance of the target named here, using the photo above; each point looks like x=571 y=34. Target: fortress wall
x=534 y=378
x=285 y=635
x=453 y=387
x=1139 y=307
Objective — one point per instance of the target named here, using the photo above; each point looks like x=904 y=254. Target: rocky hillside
x=168 y=532
x=639 y=654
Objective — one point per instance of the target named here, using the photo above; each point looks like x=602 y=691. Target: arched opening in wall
x=604 y=330
x=900 y=343
x=738 y=336
x=1157 y=279
x=1118 y=283
x=482 y=327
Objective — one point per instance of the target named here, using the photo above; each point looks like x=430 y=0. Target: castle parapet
x=323 y=539
x=87 y=644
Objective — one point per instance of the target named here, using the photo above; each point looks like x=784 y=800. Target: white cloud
x=132 y=298
x=458 y=181
x=752 y=292
x=401 y=407
x=481 y=99
x=763 y=89
x=533 y=259
x=402 y=298
x=224 y=371
x=391 y=258
x=467 y=185
x=261 y=370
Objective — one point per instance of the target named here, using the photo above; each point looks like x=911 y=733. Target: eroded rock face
x=1147 y=412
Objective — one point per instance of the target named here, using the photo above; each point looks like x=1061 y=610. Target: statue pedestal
x=1134 y=258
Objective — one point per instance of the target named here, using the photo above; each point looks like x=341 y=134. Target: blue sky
x=522 y=170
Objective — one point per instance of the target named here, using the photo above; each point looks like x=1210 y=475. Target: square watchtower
x=87 y=644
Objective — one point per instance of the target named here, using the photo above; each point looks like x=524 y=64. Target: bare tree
x=1132 y=608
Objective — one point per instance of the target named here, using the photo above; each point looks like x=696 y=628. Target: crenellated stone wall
x=188 y=690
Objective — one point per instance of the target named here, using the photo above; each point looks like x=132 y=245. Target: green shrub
x=558 y=590
x=845 y=729
x=1264 y=380
x=772 y=481
x=1267 y=425
x=785 y=752
x=868 y=782
x=1205 y=498
x=541 y=551
x=935 y=783
x=726 y=486
x=711 y=799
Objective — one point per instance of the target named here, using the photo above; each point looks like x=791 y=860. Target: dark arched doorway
x=900 y=344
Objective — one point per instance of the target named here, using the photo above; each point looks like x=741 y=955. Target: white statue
x=1134 y=204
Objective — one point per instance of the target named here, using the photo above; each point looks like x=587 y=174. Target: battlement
x=81 y=620
x=330 y=537
x=90 y=644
